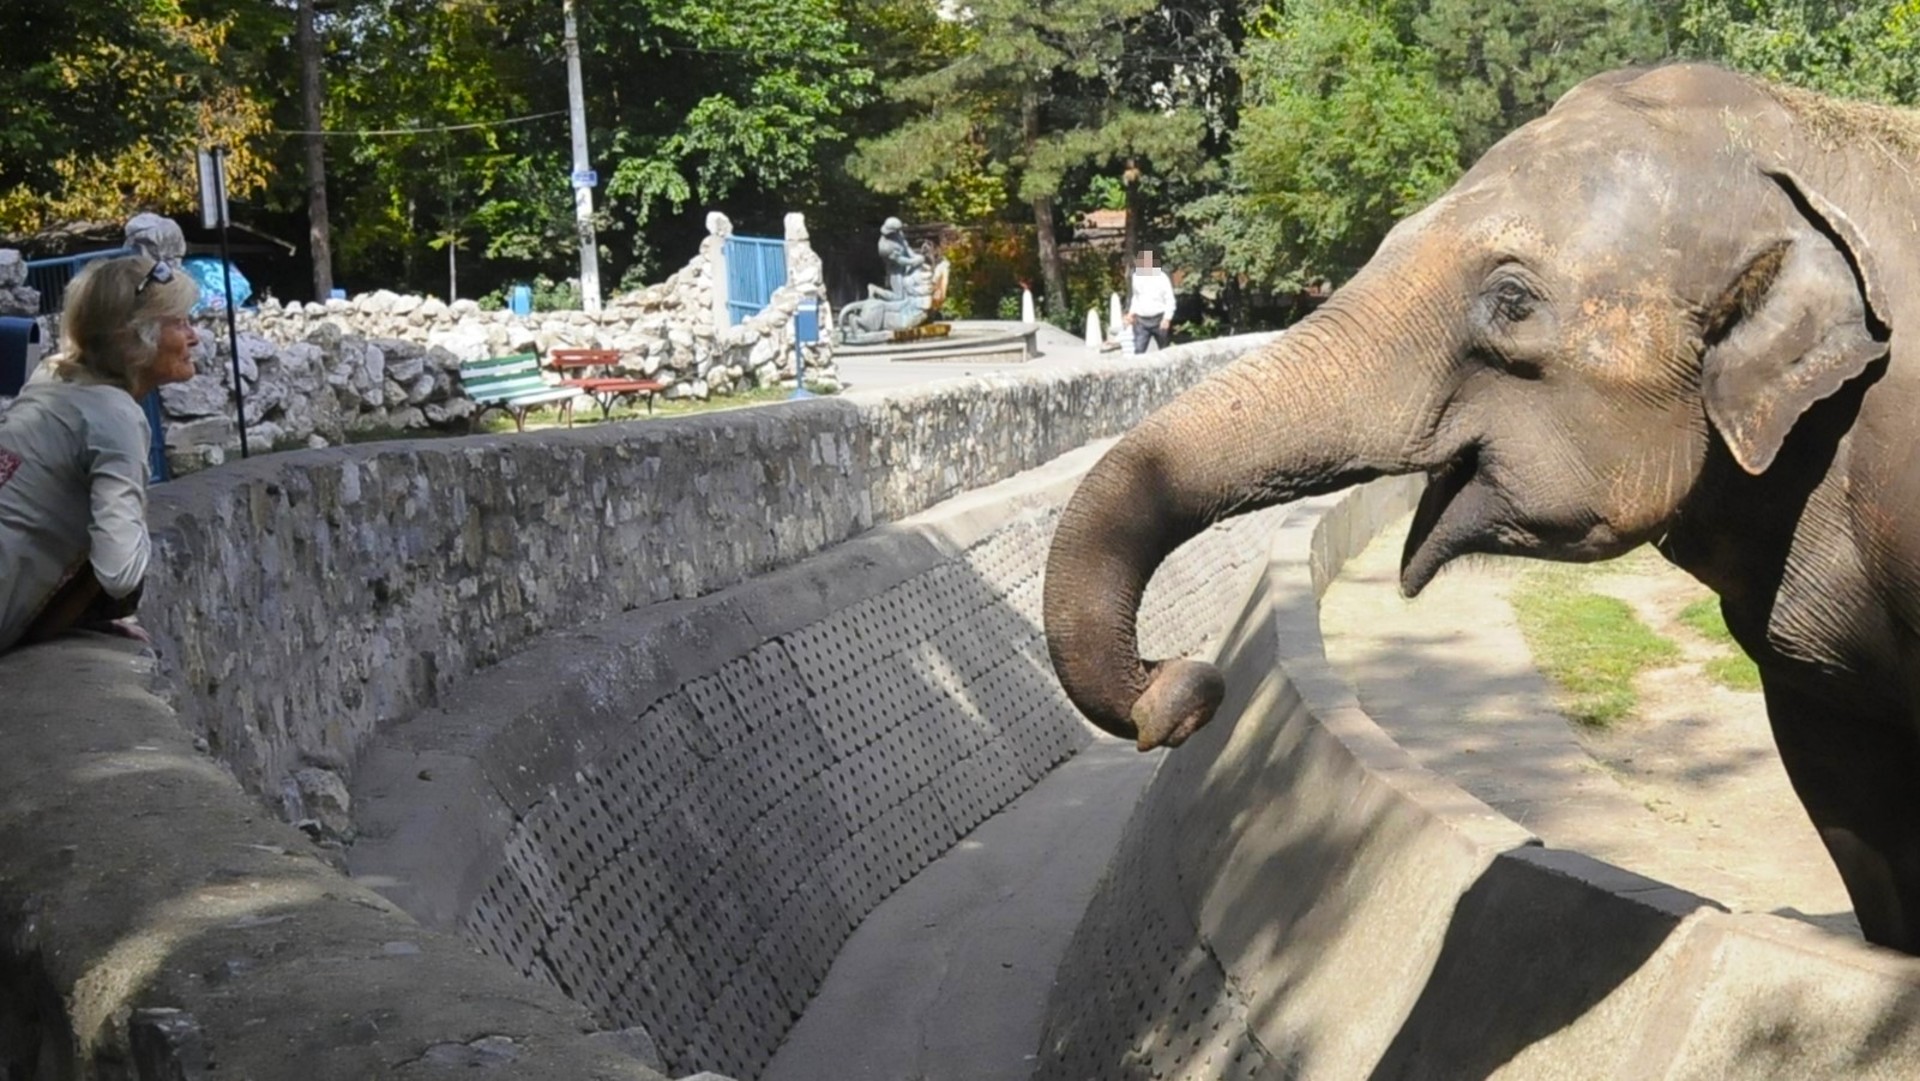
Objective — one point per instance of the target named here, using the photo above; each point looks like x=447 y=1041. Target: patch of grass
x=1591 y=646
x=1704 y=617
x=1736 y=672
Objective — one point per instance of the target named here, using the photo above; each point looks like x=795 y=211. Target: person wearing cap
x=1150 y=312
x=73 y=453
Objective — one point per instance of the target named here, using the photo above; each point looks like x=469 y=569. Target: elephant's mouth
x=1452 y=511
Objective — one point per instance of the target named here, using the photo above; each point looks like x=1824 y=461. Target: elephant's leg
x=1857 y=771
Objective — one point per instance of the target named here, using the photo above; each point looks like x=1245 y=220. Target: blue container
x=157 y=469
x=337 y=294
x=806 y=321
x=520 y=300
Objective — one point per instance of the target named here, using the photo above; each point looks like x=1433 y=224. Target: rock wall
x=675 y=331
x=304 y=600
x=314 y=374
x=16 y=296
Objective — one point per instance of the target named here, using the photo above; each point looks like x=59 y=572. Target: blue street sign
x=585 y=178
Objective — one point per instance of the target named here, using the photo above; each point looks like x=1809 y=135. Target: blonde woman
x=73 y=453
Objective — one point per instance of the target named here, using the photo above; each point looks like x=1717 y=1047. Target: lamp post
x=583 y=176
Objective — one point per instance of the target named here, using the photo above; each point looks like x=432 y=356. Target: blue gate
x=756 y=266
x=51 y=276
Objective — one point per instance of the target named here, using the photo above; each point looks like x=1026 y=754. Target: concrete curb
x=1297 y=898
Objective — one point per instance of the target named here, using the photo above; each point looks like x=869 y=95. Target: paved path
x=1691 y=793
x=947 y=980
x=1057 y=349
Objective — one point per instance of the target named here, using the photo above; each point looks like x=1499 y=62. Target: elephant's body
x=1668 y=312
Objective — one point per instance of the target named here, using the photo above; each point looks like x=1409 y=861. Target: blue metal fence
x=51 y=276
x=756 y=266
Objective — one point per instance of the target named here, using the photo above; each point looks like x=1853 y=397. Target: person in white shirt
x=73 y=453
x=1150 y=312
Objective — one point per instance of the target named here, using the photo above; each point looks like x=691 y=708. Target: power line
x=430 y=129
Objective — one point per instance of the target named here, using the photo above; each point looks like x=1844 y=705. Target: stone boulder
x=156 y=237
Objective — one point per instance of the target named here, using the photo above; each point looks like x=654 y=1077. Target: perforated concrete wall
x=697 y=870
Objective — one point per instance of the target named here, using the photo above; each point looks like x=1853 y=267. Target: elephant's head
x=1644 y=275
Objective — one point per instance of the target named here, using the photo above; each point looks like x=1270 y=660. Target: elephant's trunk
x=1314 y=412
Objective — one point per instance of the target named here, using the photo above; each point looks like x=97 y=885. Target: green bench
x=515 y=385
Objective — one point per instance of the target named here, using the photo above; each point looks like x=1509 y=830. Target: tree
x=319 y=240
x=1868 y=50
x=1044 y=91
x=102 y=105
x=1501 y=65
x=718 y=99
x=1342 y=133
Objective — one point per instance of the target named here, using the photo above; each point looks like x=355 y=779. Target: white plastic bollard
x=1114 y=322
x=1026 y=305
x=1093 y=330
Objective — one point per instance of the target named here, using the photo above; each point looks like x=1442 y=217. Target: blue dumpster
x=17 y=339
x=520 y=300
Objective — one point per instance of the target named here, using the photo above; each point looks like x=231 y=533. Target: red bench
x=577 y=368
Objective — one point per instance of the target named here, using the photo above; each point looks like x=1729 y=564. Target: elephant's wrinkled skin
x=1669 y=311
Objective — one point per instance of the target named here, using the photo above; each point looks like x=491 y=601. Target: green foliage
x=1735 y=672
x=102 y=104
x=1092 y=277
x=1048 y=88
x=986 y=266
x=548 y=295
x=1501 y=65
x=1868 y=50
x=1341 y=135
x=1591 y=646
x=707 y=99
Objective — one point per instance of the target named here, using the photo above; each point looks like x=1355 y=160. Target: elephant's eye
x=1512 y=301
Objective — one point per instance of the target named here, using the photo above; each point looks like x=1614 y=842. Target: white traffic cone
x=1026 y=305
x=1114 y=322
x=1093 y=330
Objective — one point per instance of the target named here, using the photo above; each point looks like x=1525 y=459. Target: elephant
x=1666 y=312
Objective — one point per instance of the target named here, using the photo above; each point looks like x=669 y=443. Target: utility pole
x=583 y=177
x=319 y=234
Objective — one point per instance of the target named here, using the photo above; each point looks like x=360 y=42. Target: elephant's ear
x=1804 y=315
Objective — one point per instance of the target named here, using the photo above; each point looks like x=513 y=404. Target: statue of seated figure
x=914 y=289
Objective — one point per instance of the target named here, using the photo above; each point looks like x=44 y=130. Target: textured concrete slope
x=948 y=979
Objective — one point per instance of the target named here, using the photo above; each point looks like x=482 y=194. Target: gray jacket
x=73 y=485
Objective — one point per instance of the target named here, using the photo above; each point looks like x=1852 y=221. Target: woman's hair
x=110 y=328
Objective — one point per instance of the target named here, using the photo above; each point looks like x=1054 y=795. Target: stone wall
x=16 y=296
x=314 y=374
x=675 y=331
x=303 y=600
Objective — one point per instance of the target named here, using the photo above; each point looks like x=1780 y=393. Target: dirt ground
x=1690 y=791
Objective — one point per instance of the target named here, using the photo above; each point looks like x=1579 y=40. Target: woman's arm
x=117 y=537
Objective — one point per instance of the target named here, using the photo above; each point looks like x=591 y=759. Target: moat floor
x=947 y=980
